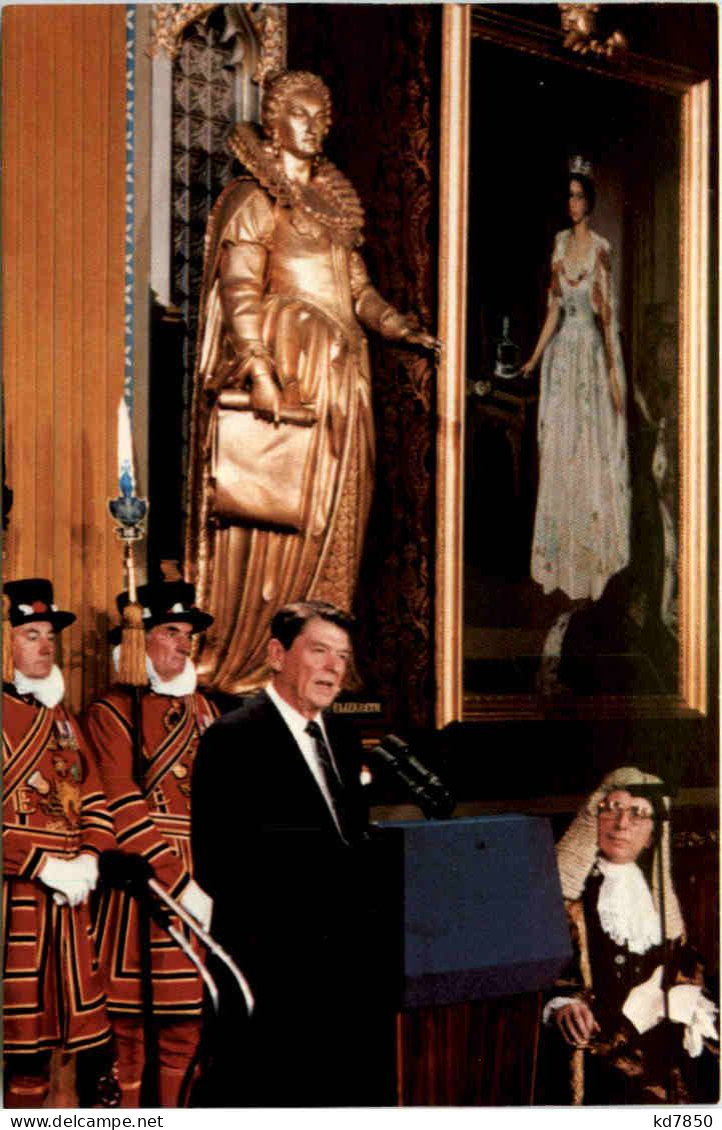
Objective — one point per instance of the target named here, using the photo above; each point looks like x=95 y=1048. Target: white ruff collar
x=626 y=910
x=48 y=691
x=182 y=684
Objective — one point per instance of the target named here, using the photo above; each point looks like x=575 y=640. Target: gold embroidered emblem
x=180 y=772
x=173 y=715
x=62 y=801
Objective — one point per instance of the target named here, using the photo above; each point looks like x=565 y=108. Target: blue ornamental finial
x=129 y=511
x=126 y=481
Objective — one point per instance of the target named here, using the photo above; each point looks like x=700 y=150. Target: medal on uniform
x=65 y=734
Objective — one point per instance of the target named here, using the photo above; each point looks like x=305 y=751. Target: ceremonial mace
x=130 y=512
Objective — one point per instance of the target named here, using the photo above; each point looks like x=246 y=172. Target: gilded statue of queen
x=284 y=300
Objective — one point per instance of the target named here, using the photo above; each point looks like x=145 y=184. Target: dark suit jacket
x=290 y=898
x=264 y=841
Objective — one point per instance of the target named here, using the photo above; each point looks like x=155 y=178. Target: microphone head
x=422 y=785
x=380 y=756
x=394 y=745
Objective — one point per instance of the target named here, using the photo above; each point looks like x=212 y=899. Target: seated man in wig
x=632 y=1007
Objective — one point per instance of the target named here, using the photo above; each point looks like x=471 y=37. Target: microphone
x=427 y=790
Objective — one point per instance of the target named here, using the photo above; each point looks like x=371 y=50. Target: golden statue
x=279 y=493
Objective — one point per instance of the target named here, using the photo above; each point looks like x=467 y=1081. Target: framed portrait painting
x=574 y=395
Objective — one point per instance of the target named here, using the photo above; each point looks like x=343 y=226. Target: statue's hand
x=413 y=332
x=255 y=361
x=406 y=328
x=424 y=339
x=265 y=397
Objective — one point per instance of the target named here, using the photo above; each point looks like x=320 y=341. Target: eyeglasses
x=613 y=810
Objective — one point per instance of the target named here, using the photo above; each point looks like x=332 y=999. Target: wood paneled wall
x=63 y=220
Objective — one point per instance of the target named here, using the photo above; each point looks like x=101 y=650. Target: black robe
x=620 y=1065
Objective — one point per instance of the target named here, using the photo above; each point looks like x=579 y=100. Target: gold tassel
x=8 y=662
x=131 y=661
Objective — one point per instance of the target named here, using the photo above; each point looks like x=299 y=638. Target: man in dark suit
x=279 y=825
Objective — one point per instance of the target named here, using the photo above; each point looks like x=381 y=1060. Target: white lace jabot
x=48 y=691
x=182 y=684
x=626 y=910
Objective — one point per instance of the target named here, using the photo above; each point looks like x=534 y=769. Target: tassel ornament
x=131 y=661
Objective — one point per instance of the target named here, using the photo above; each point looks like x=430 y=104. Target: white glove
x=72 y=878
x=89 y=863
x=195 y=900
x=701 y=1024
x=644 y=1006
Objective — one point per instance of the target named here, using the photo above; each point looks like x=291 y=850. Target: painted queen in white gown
x=581 y=526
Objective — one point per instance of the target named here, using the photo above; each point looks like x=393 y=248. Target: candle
x=126 y=473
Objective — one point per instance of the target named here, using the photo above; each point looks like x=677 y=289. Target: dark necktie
x=330 y=775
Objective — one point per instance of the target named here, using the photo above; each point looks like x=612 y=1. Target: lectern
x=473 y=912
x=477 y=905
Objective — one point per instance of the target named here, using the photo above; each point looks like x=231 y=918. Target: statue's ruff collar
x=329 y=198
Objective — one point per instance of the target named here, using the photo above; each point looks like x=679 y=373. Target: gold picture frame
x=461 y=25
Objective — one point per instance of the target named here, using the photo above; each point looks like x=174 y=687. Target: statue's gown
x=282 y=276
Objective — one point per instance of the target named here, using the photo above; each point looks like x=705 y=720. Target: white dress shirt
x=297 y=725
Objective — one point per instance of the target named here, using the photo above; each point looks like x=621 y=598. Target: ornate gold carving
x=170 y=21
x=579 y=23
x=270 y=23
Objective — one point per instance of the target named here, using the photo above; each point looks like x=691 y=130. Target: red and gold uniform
x=53 y=805
x=155 y=823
